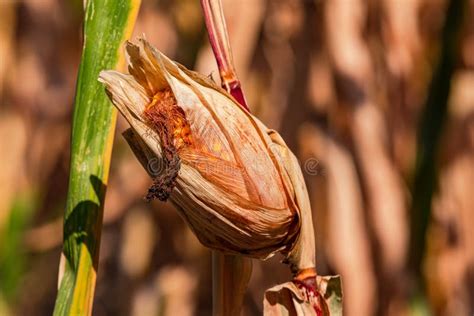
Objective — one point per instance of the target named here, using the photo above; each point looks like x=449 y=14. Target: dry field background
x=355 y=88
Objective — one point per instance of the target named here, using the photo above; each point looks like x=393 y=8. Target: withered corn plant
x=107 y=24
x=233 y=180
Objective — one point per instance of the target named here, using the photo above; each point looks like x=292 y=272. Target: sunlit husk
x=239 y=186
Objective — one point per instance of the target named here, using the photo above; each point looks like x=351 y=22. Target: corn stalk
x=219 y=39
x=230 y=276
x=230 y=273
x=107 y=23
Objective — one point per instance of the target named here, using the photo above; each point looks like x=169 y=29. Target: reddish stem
x=219 y=39
x=311 y=289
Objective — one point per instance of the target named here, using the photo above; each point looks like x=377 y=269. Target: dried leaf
x=290 y=300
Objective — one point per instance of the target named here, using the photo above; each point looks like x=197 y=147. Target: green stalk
x=107 y=24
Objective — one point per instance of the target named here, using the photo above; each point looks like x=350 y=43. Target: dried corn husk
x=233 y=180
x=289 y=299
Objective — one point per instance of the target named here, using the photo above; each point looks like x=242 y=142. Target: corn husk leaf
x=233 y=180
x=232 y=186
x=287 y=299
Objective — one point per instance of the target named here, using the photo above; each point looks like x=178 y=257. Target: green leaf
x=12 y=254
x=107 y=24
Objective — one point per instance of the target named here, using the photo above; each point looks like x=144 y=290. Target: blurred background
x=376 y=98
